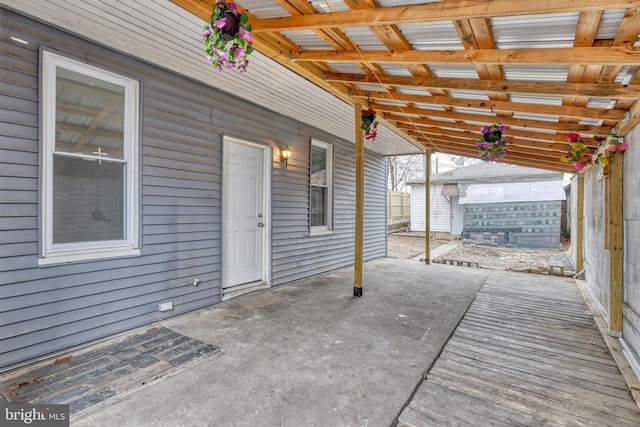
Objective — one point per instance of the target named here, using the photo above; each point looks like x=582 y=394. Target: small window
x=321 y=194
x=90 y=162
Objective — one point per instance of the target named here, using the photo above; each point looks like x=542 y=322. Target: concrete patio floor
x=307 y=354
x=499 y=348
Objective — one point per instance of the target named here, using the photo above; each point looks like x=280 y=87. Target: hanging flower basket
x=227 y=37
x=493 y=134
x=369 y=123
x=492 y=146
x=578 y=154
x=615 y=144
x=231 y=26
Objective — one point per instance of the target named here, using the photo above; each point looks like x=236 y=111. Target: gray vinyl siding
x=296 y=253
x=44 y=310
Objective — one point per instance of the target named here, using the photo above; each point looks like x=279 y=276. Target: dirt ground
x=409 y=245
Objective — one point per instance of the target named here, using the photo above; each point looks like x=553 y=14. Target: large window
x=321 y=195
x=90 y=162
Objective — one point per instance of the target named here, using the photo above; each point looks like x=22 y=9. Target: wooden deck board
x=535 y=343
x=527 y=352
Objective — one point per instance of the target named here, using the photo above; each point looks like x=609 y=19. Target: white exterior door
x=457 y=216
x=243 y=215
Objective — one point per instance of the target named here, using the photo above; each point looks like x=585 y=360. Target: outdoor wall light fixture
x=285 y=155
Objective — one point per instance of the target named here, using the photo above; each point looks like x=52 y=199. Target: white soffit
x=135 y=27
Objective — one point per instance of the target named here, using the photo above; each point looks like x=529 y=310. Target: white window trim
x=70 y=252
x=323 y=229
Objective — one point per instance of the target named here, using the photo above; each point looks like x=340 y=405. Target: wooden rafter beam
x=469 y=139
x=544 y=146
x=442 y=146
x=592 y=90
x=598 y=131
x=534 y=138
x=612 y=55
x=393 y=39
x=521 y=107
x=625 y=126
x=516 y=147
x=437 y=11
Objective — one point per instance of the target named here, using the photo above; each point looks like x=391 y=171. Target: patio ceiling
x=434 y=70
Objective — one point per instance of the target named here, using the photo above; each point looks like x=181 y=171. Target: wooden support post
x=427 y=206
x=616 y=219
x=359 y=220
x=579 y=223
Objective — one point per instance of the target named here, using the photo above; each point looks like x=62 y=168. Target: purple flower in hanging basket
x=206 y=33
x=233 y=8
x=220 y=23
x=239 y=52
x=245 y=35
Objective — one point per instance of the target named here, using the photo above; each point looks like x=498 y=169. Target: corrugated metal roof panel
x=535 y=31
x=512 y=192
x=414 y=91
x=429 y=107
x=534 y=99
x=454 y=71
x=626 y=74
x=391 y=102
x=444 y=119
x=540 y=117
x=609 y=24
x=390 y=3
x=264 y=8
x=306 y=39
x=591 y=122
x=370 y=87
x=364 y=38
x=601 y=103
x=432 y=35
x=469 y=95
x=477 y=111
x=396 y=70
x=333 y=5
x=345 y=67
x=536 y=74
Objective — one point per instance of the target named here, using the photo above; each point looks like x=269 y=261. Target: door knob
x=260 y=224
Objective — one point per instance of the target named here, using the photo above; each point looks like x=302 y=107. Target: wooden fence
x=398 y=204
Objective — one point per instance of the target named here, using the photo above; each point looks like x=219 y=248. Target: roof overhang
x=435 y=71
